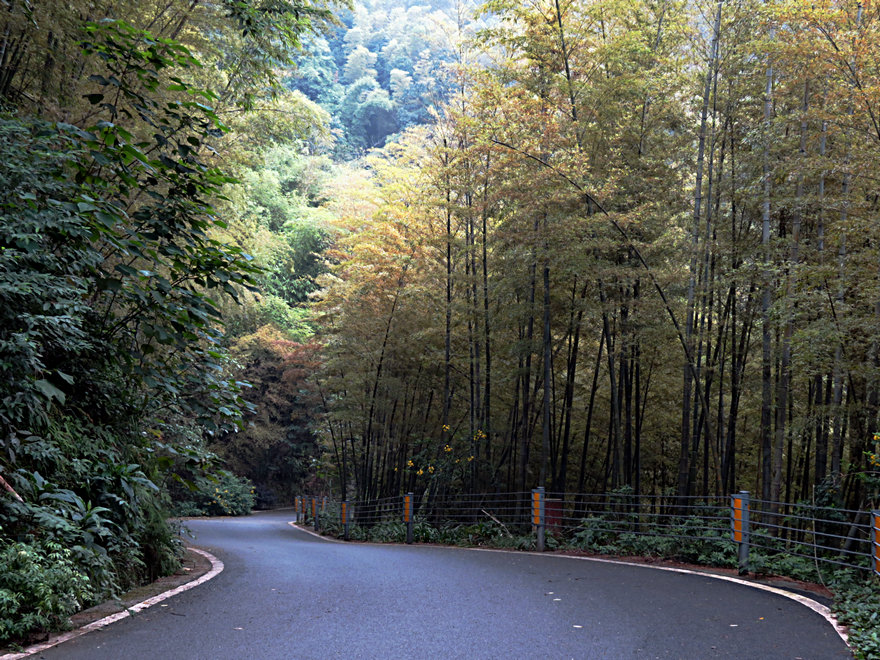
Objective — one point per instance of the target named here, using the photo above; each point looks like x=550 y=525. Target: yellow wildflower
x=447 y=449
x=431 y=469
x=420 y=472
x=409 y=463
x=470 y=458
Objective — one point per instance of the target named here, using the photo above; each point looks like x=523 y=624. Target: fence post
x=315 y=513
x=296 y=507
x=875 y=546
x=343 y=513
x=538 y=516
x=407 y=516
x=739 y=528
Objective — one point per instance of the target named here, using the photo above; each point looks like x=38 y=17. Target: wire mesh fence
x=842 y=537
x=688 y=528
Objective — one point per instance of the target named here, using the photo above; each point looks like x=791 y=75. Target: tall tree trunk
x=820 y=424
x=487 y=335
x=525 y=429
x=594 y=387
x=575 y=321
x=766 y=299
x=782 y=397
x=614 y=416
x=684 y=463
x=447 y=335
x=838 y=374
x=548 y=360
x=627 y=391
x=367 y=439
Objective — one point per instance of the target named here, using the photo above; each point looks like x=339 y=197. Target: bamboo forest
x=256 y=248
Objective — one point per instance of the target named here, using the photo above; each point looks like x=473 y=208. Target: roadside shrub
x=592 y=532
x=161 y=546
x=221 y=494
x=230 y=496
x=857 y=605
x=478 y=534
x=424 y=532
x=329 y=522
x=390 y=532
x=40 y=587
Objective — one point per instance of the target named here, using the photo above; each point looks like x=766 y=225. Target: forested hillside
x=385 y=69
x=252 y=248
x=637 y=249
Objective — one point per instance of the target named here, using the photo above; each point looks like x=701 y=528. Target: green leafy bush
x=329 y=521
x=41 y=585
x=221 y=494
x=857 y=605
x=387 y=532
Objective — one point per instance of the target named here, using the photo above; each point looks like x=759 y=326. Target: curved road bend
x=286 y=594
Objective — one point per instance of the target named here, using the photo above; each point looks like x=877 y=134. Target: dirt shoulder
x=193 y=566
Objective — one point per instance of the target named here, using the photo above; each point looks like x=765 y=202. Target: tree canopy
x=253 y=247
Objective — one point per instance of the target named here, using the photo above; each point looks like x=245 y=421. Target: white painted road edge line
x=216 y=569
x=816 y=606
x=296 y=525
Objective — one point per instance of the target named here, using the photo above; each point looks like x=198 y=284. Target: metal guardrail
x=750 y=528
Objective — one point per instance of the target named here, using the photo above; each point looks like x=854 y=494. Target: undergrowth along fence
x=735 y=531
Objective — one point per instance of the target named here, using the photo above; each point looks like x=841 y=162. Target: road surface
x=287 y=594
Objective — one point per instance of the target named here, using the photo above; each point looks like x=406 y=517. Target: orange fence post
x=538 y=516
x=739 y=528
x=407 y=516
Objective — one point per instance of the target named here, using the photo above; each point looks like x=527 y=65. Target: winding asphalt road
x=286 y=594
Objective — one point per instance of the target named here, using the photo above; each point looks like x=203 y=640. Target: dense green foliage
x=857 y=605
x=116 y=268
x=41 y=586
x=220 y=494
